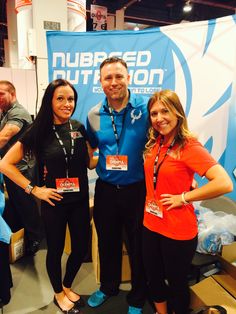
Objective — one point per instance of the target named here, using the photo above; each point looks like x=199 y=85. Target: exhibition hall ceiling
x=165 y=12
x=146 y=13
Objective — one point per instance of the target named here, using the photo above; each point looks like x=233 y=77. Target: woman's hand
x=173 y=201
x=46 y=194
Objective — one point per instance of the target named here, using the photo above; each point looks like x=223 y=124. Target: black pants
x=5 y=274
x=117 y=210
x=169 y=259
x=23 y=207
x=76 y=215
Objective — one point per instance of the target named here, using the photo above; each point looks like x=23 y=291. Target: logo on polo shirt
x=135 y=115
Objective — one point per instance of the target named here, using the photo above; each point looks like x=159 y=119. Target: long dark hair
x=42 y=125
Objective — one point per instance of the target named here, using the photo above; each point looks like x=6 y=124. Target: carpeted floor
x=32 y=293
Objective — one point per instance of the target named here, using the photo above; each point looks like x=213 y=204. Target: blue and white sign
x=197 y=60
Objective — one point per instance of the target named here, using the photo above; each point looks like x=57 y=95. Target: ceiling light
x=187 y=7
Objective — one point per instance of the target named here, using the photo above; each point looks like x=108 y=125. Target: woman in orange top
x=172 y=156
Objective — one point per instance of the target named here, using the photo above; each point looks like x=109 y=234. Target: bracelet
x=183 y=198
x=29 y=188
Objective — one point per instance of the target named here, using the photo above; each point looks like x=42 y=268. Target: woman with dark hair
x=61 y=147
x=172 y=155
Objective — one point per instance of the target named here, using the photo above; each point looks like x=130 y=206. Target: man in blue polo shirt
x=117 y=127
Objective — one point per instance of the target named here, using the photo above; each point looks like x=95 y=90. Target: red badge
x=65 y=185
x=117 y=162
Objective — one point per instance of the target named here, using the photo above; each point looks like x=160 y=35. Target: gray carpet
x=33 y=294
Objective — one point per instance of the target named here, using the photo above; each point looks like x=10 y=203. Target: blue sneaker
x=135 y=310
x=97 y=298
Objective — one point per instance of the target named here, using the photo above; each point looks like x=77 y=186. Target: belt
x=120 y=186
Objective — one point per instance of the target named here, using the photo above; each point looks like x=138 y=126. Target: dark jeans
x=117 y=210
x=24 y=206
x=76 y=215
x=169 y=259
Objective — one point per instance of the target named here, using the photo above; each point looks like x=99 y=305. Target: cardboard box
x=126 y=273
x=227 y=257
x=218 y=289
x=209 y=292
x=17 y=245
x=226 y=281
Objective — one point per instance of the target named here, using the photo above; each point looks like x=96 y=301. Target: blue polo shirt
x=131 y=124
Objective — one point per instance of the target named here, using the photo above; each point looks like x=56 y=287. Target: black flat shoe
x=73 y=310
x=32 y=248
x=79 y=303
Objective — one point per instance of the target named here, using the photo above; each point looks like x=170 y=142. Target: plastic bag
x=214 y=229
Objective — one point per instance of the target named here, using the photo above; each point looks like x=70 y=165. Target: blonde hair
x=172 y=102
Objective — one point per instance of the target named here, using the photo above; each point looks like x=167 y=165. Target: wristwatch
x=29 y=188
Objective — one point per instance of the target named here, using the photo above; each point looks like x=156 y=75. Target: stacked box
x=218 y=289
x=17 y=245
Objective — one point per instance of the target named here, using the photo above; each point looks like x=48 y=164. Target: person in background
x=14 y=121
x=117 y=126
x=172 y=155
x=61 y=146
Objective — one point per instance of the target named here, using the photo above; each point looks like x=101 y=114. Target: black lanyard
x=114 y=127
x=156 y=167
x=67 y=156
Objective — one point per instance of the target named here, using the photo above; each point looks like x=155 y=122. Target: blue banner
x=197 y=60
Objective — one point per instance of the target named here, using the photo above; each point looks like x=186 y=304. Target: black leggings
x=76 y=215
x=169 y=259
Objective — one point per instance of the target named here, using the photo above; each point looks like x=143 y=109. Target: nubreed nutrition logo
x=83 y=68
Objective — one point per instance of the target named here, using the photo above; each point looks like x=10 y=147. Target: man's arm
x=91 y=135
x=7 y=133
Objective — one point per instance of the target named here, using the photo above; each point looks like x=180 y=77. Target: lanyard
x=114 y=126
x=67 y=156
x=157 y=166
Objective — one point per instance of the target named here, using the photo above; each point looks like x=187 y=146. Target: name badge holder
x=153 y=206
x=65 y=185
x=116 y=162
